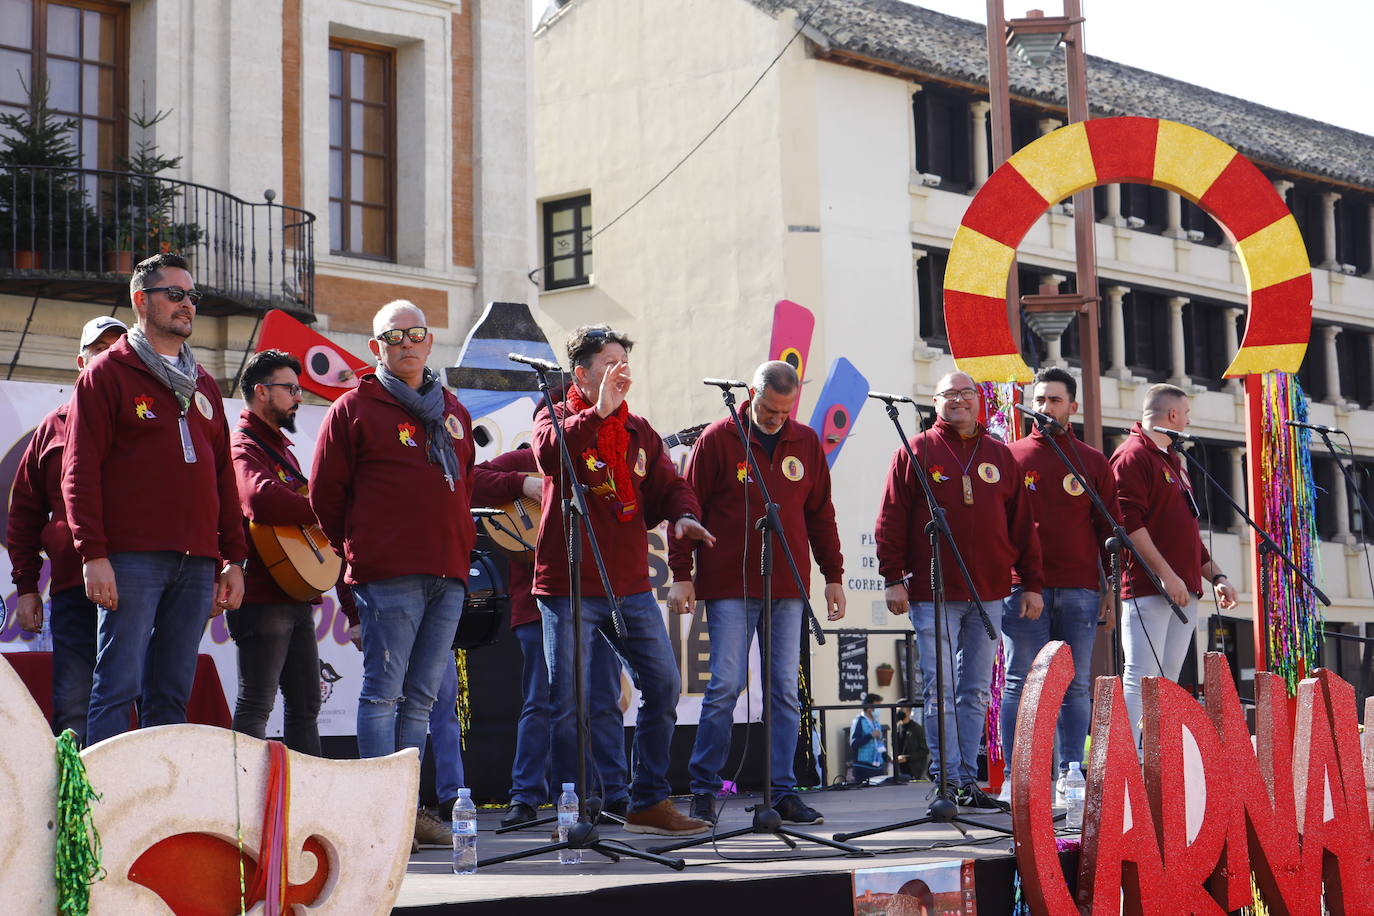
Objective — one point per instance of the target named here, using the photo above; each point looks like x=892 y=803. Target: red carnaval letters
x=1210 y=808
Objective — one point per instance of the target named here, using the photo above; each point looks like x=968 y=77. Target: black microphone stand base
x=767 y=821
x=941 y=811
x=584 y=836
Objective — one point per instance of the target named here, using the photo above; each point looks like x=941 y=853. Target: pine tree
x=140 y=208
x=41 y=209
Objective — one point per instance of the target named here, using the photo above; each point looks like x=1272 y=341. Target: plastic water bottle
x=1075 y=792
x=464 y=834
x=567 y=819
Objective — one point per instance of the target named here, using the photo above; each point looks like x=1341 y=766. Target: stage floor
x=431 y=888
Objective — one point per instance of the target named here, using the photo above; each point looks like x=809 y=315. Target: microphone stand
x=766 y=818
x=943 y=810
x=1114 y=583
x=583 y=834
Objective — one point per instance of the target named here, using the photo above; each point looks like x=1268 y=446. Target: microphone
x=1315 y=427
x=534 y=361
x=1042 y=420
x=725 y=384
x=890 y=398
x=479 y=512
x=1173 y=434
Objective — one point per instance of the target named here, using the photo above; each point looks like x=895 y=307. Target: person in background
x=867 y=744
x=913 y=754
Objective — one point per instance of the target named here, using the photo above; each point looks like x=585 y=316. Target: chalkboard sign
x=853 y=650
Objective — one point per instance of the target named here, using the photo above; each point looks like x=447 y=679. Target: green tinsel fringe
x=78 y=843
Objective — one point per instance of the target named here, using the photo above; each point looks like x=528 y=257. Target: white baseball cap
x=97 y=326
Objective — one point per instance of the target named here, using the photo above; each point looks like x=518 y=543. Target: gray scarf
x=426 y=404
x=181 y=378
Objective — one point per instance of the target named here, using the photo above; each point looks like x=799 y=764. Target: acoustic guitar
x=514 y=530
x=298 y=557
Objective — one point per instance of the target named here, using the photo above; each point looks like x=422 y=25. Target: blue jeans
x=731 y=624
x=73 y=623
x=530 y=772
x=147 y=647
x=1070 y=615
x=408 y=624
x=968 y=681
x=645 y=647
x=446 y=736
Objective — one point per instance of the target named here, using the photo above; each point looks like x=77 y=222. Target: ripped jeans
x=408 y=624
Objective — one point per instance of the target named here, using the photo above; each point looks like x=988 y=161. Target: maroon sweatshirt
x=125 y=480
x=496 y=482
x=1064 y=513
x=386 y=509
x=994 y=534
x=797 y=477
x=661 y=493
x=1154 y=490
x=38 y=517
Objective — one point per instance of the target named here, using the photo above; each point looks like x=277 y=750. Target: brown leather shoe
x=663 y=819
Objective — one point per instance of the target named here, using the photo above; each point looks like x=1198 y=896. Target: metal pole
x=999 y=94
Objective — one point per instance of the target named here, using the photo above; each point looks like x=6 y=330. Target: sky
x=1311 y=58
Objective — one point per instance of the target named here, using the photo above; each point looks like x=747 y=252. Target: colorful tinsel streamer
x=1290 y=517
x=78 y=843
x=462 y=705
x=999 y=418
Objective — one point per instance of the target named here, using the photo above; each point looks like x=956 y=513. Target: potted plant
x=140 y=206
x=884 y=672
x=39 y=206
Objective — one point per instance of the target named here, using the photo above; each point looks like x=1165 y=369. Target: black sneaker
x=971 y=796
x=704 y=807
x=793 y=810
x=518 y=813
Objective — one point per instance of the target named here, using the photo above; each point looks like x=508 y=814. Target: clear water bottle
x=464 y=834
x=1075 y=792
x=567 y=819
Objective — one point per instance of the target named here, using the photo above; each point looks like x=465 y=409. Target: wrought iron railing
x=95 y=224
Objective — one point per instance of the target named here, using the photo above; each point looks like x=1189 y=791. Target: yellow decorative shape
x=1274 y=254
x=978 y=264
x=1009 y=367
x=1058 y=164
x=1188 y=160
x=1259 y=360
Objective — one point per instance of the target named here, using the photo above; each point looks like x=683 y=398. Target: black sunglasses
x=176 y=293
x=393 y=336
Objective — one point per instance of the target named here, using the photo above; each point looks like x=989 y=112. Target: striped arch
x=1150 y=151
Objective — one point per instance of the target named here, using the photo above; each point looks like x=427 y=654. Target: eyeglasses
x=291 y=387
x=393 y=336
x=961 y=394
x=176 y=293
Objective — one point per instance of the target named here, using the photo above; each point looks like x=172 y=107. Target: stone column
x=1178 y=366
x=1054 y=349
x=1282 y=186
x=1228 y=329
x=1173 y=224
x=1114 y=217
x=1329 y=261
x=1342 y=501
x=919 y=347
x=1117 y=329
x=980 y=110
x=1238 y=488
x=1333 y=367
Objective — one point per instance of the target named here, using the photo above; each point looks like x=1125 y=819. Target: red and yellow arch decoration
x=1150 y=151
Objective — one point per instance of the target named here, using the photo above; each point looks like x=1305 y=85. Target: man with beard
x=38 y=522
x=149 y=489
x=274 y=633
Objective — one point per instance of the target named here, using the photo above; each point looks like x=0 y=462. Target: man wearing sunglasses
x=631 y=486
x=149 y=489
x=975 y=481
x=1160 y=511
x=391 y=485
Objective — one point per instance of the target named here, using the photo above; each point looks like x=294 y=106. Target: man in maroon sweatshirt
x=391 y=486
x=975 y=481
x=1160 y=510
x=150 y=495
x=273 y=632
x=1073 y=537
x=631 y=486
x=38 y=522
x=728 y=579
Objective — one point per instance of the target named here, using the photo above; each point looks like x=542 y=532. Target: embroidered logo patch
x=938 y=474
x=742 y=471
x=1168 y=478
x=1031 y=479
x=203 y=404
x=454 y=426
x=406 y=433
x=592 y=460
x=792 y=468
x=988 y=472
x=642 y=463
x=1072 y=486
x=143 y=408
x=281 y=475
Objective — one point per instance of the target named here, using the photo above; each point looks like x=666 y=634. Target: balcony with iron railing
x=75 y=234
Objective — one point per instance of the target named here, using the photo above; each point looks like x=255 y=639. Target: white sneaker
x=1005 y=795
